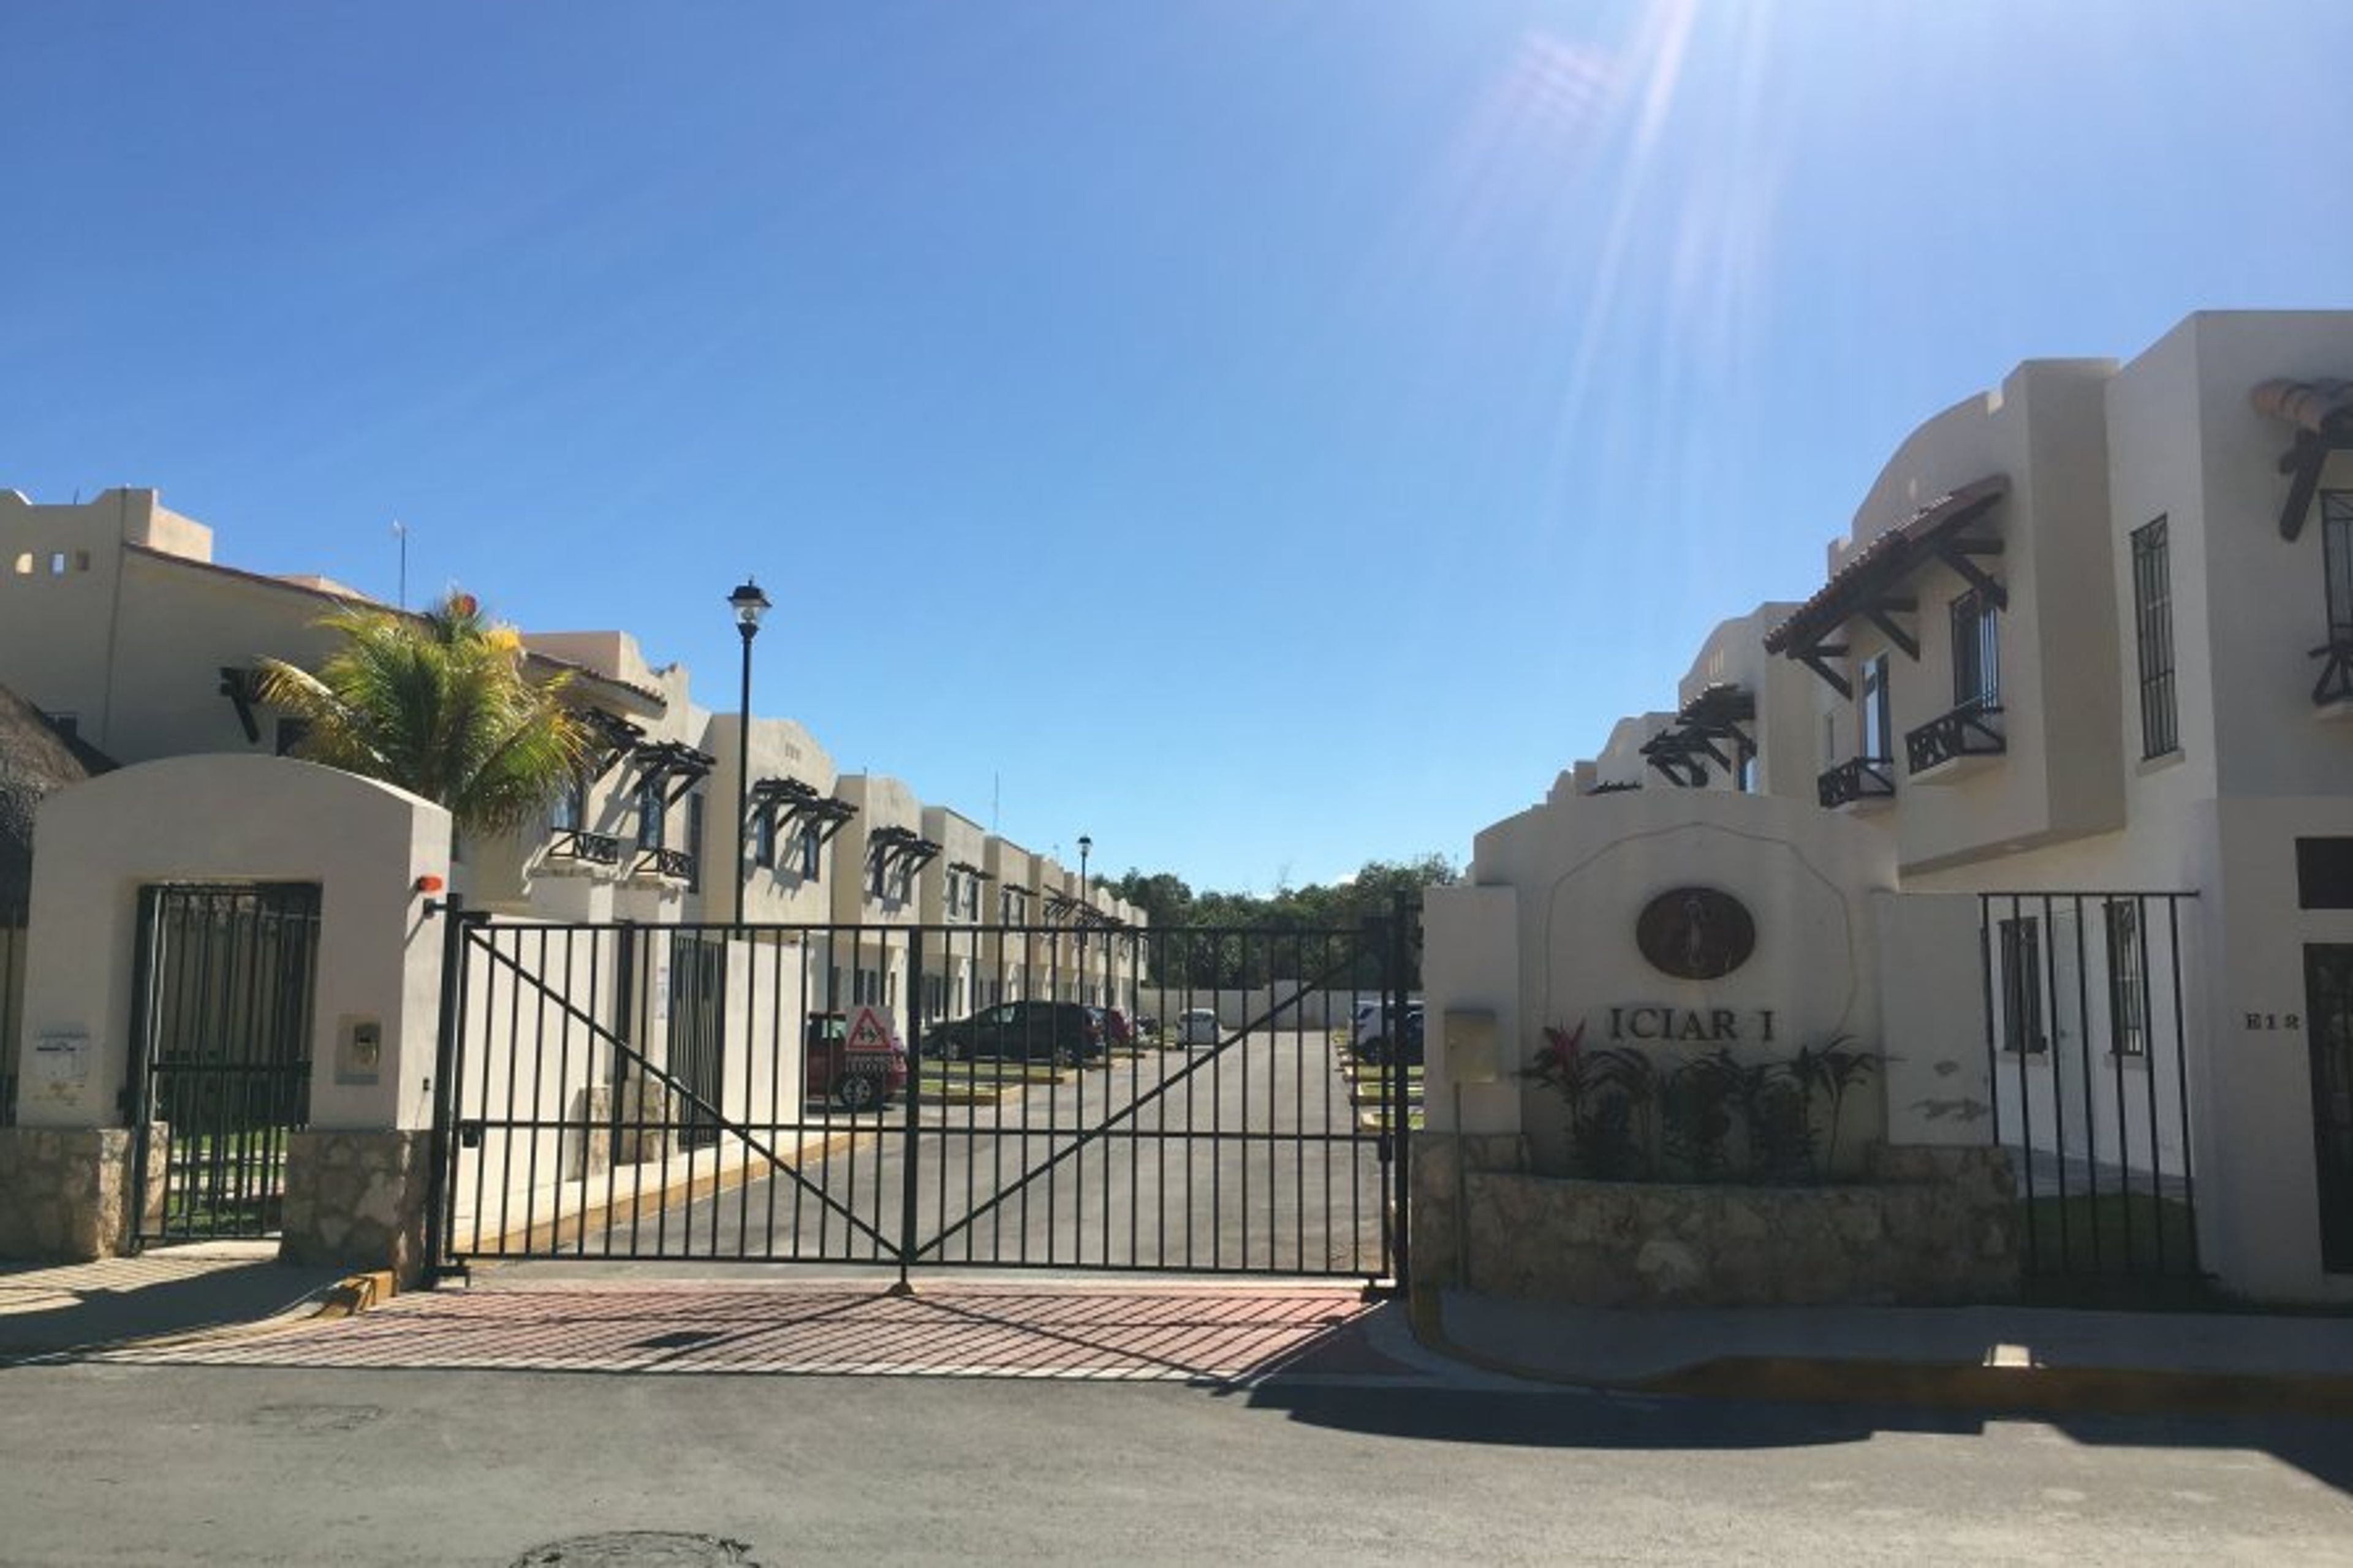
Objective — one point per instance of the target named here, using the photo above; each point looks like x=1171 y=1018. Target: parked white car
x=1198 y=1026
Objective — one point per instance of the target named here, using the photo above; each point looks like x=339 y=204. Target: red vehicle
x=1118 y=1032
x=855 y=1080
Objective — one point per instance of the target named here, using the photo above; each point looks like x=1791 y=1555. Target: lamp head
x=750 y=604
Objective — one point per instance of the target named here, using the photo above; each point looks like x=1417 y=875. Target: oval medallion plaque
x=1696 y=933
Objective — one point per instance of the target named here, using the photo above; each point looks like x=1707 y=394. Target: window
x=2336 y=562
x=2324 y=873
x=2128 y=979
x=694 y=843
x=67 y=725
x=1976 y=653
x=875 y=872
x=651 y=810
x=570 y=810
x=2153 y=621
x=1744 y=769
x=2022 y=985
x=810 y=845
x=764 y=840
x=1876 y=729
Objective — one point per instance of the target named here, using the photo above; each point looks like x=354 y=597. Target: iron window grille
x=2336 y=682
x=2022 y=985
x=653 y=811
x=1876 y=727
x=1976 y=652
x=2153 y=621
x=2128 y=979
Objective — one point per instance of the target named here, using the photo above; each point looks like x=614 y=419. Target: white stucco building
x=2085 y=652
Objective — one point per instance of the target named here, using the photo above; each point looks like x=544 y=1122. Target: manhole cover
x=640 y=1549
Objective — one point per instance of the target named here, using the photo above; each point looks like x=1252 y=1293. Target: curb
x=1941 y=1385
x=356 y=1293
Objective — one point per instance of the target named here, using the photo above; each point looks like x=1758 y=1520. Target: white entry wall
x=227 y=818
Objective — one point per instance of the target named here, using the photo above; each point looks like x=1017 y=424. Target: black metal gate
x=2329 y=1020
x=1207 y=1117
x=221 y=1071
x=2084 y=1031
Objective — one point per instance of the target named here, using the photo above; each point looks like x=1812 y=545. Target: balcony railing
x=2336 y=682
x=672 y=864
x=1858 y=778
x=1973 y=731
x=579 y=844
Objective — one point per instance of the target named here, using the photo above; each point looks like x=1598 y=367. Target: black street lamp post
x=1086 y=846
x=750 y=604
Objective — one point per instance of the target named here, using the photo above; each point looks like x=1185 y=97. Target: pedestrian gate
x=1074 y=1096
x=221 y=1074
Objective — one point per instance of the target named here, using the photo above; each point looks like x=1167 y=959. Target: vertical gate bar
x=2023 y=1049
x=646 y=983
x=514 y=1072
x=665 y=990
x=782 y=1095
x=139 y=1091
x=908 y=1161
x=2048 y=940
x=738 y=938
x=1299 y=1102
x=575 y=936
x=1241 y=1049
x=824 y=1117
x=1400 y=1128
x=442 y=1143
x=2148 y=1072
x=2090 y=1106
x=616 y=1074
x=2116 y=1041
x=595 y=1008
x=531 y=1103
x=2181 y=1069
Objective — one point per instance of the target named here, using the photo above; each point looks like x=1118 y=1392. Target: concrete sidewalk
x=47 y=1309
x=2000 y=1357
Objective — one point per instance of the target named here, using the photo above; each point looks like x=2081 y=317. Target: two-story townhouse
x=953 y=892
x=878 y=856
x=1006 y=952
x=2086 y=653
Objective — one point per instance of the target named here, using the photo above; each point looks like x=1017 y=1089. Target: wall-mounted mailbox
x=359 y=1050
x=1472 y=1055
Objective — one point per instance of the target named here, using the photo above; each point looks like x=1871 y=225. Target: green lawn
x=2114 y=1233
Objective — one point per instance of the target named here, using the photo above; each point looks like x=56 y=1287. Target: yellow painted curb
x=355 y=1293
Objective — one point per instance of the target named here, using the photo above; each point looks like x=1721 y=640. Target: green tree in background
x=438 y=704
x=1198 y=937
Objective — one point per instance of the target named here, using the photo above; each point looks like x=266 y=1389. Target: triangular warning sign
x=868 y=1032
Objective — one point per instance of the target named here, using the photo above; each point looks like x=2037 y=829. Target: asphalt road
x=1242 y=1160
x=178 y=1465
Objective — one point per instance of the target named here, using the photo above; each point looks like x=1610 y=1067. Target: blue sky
x=1264 y=435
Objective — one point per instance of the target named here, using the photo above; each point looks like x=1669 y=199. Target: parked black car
x=1023 y=1031
x=1374 y=1046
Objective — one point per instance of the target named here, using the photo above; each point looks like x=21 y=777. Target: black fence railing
x=917 y=1097
x=12 y=1006
x=670 y=865
x=1975 y=731
x=1858 y=778
x=588 y=849
x=2085 y=1024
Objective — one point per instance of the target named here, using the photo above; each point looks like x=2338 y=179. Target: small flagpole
x=400 y=531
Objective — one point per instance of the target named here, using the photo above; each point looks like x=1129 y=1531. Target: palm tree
x=437 y=704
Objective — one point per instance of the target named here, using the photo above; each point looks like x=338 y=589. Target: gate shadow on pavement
x=47 y=1308
x=1218 y=1337
x=1548 y=1416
